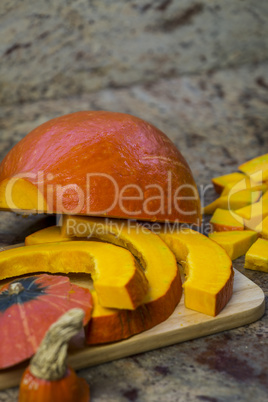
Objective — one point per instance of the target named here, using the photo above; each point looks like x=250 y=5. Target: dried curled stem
x=49 y=362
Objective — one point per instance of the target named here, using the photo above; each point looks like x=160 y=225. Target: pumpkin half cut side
x=99 y=163
x=118 y=279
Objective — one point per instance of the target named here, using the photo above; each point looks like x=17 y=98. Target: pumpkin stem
x=15 y=288
x=49 y=362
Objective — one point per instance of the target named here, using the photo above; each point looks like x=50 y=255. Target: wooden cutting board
x=246 y=305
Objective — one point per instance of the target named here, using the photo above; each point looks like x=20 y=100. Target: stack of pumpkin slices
x=240 y=215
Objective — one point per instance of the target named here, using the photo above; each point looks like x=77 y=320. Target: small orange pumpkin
x=28 y=306
x=48 y=379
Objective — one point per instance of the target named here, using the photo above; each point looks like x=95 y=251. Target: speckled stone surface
x=218 y=120
x=51 y=49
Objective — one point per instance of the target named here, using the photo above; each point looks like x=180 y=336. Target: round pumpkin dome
x=100 y=163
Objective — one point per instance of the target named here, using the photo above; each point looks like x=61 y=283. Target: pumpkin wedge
x=222 y=220
x=253 y=211
x=265 y=196
x=52 y=234
x=263 y=228
x=118 y=279
x=257 y=256
x=208 y=268
x=108 y=325
x=233 y=200
x=253 y=214
x=235 y=243
x=246 y=184
x=257 y=167
x=221 y=182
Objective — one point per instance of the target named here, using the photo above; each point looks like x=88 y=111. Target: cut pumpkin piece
x=52 y=234
x=263 y=229
x=245 y=184
x=208 y=268
x=235 y=243
x=257 y=256
x=258 y=209
x=160 y=267
x=265 y=196
x=221 y=182
x=253 y=214
x=118 y=280
x=257 y=167
x=225 y=220
x=233 y=200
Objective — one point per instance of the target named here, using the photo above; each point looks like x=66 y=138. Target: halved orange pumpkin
x=99 y=163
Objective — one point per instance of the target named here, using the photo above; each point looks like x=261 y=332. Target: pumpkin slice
x=118 y=279
x=52 y=234
x=224 y=220
x=253 y=214
x=234 y=200
x=108 y=325
x=263 y=228
x=235 y=243
x=208 y=269
x=257 y=256
x=245 y=184
x=256 y=210
x=257 y=167
x=221 y=182
x=265 y=196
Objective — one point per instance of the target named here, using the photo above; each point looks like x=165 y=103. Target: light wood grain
x=246 y=306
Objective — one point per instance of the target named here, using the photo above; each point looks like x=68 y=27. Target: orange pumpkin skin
x=217 y=227
x=46 y=296
x=126 y=323
x=139 y=172
x=69 y=389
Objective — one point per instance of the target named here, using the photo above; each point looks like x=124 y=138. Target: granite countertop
x=70 y=47
x=218 y=120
